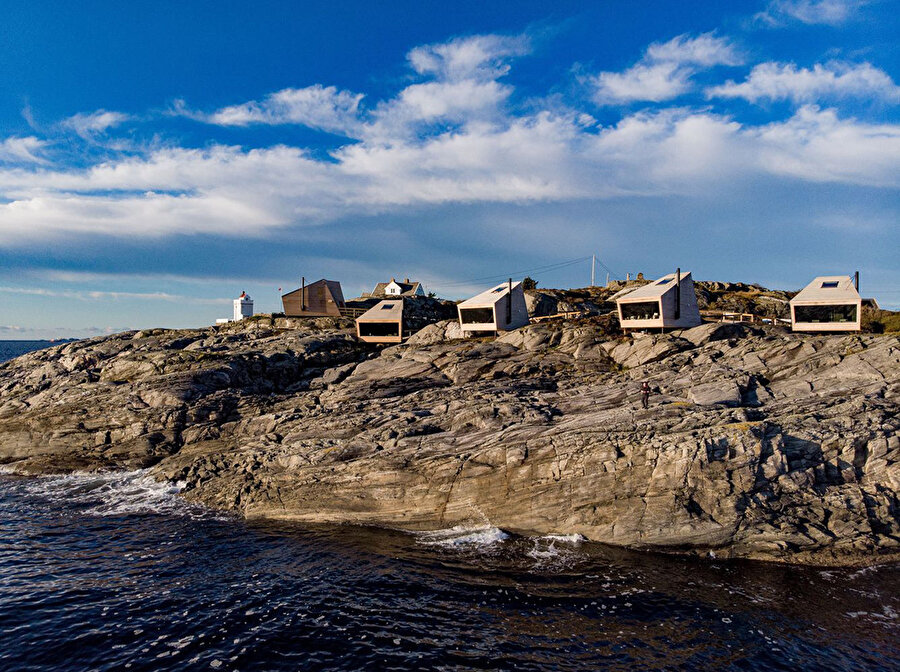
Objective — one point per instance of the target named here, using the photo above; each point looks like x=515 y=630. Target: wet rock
x=758 y=443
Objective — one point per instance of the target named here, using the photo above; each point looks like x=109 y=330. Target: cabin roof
x=489 y=296
x=827 y=289
x=654 y=290
x=331 y=284
x=384 y=311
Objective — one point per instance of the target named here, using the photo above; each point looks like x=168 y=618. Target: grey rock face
x=757 y=443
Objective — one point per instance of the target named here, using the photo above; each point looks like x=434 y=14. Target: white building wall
x=243 y=307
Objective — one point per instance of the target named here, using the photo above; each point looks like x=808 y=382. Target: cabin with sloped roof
x=667 y=303
x=828 y=303
x=322 y=298
x=383 y=323
x=500 y=308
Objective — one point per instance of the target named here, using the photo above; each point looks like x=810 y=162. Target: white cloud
x=665 y=70
x=476 y=57
x=482 y=151
x=95 y=123
x=321 y=107
x=705 y=50
x=829 y=12
x=778 y=81
x=816 y=145
x=656 y=83
x=22 y=150
x=92 y=295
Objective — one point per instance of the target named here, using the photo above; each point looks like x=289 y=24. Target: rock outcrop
x=758 y=443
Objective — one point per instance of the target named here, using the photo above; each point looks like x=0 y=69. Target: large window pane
x=477 y=315
x=647 y=310
x=379 y=329
x=846 y=313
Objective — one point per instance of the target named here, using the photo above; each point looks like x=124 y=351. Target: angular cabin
x=666 y=303
x=383 y=323
x=501 y=308
x=828 y=303
x=322 y=298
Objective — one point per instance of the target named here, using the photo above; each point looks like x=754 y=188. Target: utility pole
x=593 y=261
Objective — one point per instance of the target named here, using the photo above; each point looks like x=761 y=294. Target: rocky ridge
x=759 y=443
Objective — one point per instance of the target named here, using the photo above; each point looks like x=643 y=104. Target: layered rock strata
x=758 y=443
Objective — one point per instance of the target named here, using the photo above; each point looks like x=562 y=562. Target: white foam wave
x=114 y=494
x=462 y=536
x=554 y=550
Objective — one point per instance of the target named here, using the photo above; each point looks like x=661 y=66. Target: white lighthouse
x=243 y=307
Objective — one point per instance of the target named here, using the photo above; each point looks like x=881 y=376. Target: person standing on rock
x=645 y=394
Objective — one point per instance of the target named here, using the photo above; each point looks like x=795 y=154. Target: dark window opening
x=379 y=329
x=477 y=315
x=646 y=310
x=829 y=285
x=387 y=307
x=846 y=313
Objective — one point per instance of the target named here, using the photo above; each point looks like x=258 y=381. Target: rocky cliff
x=758 y=444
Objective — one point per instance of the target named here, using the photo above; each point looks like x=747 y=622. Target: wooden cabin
x=667 y=303
x=322 y=298
x=383 y=323
x=828 y=303
x=501 y=308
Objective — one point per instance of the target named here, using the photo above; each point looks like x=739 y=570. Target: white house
x=828 y=303
x=243 y=307
x=501 y=308
x=395 y=288
x=383 y=323
x=666 y=303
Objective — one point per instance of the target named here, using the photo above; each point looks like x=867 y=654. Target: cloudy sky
x=158 y=158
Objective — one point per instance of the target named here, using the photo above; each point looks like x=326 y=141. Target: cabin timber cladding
x=500 y=308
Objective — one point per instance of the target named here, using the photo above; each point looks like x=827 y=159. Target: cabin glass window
x=476 y=315
x=379 y=329
x=844 y=313
x=829 y=285
x=645 y=310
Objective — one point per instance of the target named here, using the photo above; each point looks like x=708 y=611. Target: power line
x=501 y=276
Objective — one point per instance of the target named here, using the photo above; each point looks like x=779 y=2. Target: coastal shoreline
x=747 y=451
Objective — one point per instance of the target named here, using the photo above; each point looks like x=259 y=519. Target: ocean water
x=115 y=572
x=11 y=349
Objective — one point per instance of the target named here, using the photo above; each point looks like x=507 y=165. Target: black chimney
x=302 y=293
x=509 y=303
x=677 y=293
x=856 y=280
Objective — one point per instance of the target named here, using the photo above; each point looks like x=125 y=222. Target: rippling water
x=115 y=572
x=10 y=349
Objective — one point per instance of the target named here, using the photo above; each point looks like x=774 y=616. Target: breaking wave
x=463 y=537
x=112 y=494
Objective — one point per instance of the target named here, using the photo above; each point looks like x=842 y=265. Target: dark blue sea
x=116 y=572
x=10 y=349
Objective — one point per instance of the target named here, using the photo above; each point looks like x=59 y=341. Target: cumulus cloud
x=22 y=150
x=484 y=150
x=476 y=57
x=829 y=12
x=95 y=123
x=779 y=81
x=665 y=70
x=460 y=85
x=321 y=107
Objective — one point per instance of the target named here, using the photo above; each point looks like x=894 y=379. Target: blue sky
x=156 y=159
